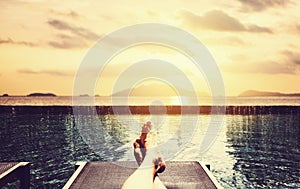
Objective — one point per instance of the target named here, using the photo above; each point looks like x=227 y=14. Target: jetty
x=15 y=171
x=111 y=175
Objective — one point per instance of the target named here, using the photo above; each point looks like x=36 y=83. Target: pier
x=111 y=175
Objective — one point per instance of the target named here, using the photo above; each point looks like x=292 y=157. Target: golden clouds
x=220 y=21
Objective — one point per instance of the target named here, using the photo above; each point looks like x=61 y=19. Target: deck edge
x=210 y=175
x=71 y=180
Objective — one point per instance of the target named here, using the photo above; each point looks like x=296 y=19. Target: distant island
x=253 y=93
x=41 y=94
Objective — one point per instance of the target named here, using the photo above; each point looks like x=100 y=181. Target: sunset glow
x=254 y=43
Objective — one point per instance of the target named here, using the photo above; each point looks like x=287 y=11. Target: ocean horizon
x=140 y=101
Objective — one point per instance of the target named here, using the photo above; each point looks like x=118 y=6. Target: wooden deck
x=12 y=171
x=178 y=174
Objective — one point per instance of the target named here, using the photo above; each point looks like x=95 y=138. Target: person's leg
x=159 y=165
x=146 y=175
x=138 y=152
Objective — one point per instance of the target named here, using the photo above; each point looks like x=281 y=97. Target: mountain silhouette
x=253 y=93
x=157 y=89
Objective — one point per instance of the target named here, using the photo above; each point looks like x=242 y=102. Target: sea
x=253 y=143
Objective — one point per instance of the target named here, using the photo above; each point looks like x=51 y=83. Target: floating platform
x=14 y=171
x=112 y=175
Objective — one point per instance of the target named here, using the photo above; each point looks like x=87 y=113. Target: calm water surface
x=250 y=151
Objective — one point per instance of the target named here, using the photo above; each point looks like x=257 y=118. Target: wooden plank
x=178 y=174
x=5 y=166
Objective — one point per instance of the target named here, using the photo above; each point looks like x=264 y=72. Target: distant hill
x=155 y=89
x=253 y=93
x=41 y=94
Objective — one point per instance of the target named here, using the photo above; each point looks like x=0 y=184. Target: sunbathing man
x=147 y=157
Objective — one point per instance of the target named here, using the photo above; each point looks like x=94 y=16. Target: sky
x=255 y=43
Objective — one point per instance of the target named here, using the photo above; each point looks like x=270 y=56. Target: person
x=149 y=161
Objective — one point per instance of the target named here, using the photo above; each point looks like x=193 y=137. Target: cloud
x=79 y=31
x=76 y=37
x=228 y=41
x=296 y=28
x=288 y=63
x=67 y=42
x=291 y=57
x=219 y=21
x=255 y=28
x=271 y=67
x=64 y=45
x=11 y=41
x=46 y=72
x=71 y=14
x=260 y=5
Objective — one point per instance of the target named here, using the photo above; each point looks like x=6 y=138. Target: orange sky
x=255 y=43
